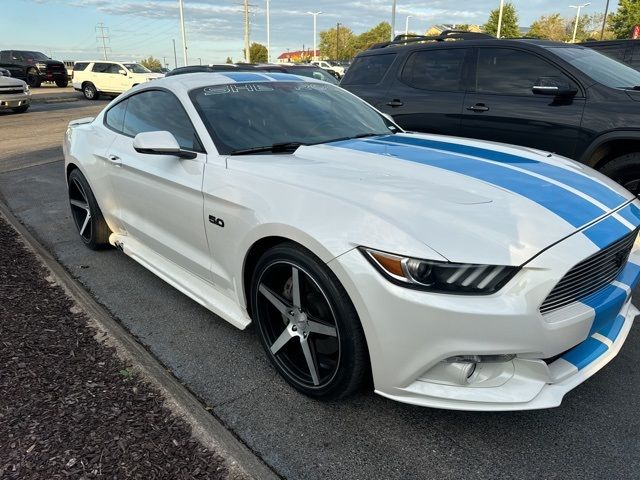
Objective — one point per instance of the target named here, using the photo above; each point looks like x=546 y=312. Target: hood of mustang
x=470 y=201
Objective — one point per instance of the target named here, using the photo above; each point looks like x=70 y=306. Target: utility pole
x=406 y=25
x=604 y=20
x=164 y=61
x=393 y=20
x=184 y=35
x=575 y=27
x=103 y=37
x=315 y=34
x=268 y=32
x=199 y=61
x=175 y=56
x=337 y=40
x=499 y=31
x=247 y=53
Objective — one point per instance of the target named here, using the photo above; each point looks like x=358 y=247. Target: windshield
x=136 y=68
x=243 y=116
x=601 y=68
x=316 y=73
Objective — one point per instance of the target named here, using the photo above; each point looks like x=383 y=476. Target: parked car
x=456 y=273
x=4 y=72
x=625 y=51
x=14 y=94
x=34 y=67
x=98 y=77
x=68 y=65
x=327 y=65
x=557 y=97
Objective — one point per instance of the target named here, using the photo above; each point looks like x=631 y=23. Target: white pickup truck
x=109 y=78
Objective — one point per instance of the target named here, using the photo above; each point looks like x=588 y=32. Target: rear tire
x=21 y=109
x=313 y=337
x=62 y=83
x=90 y=91
x=93 y=230
x=625 y=170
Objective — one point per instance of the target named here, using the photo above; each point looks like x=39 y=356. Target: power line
x=103 y=37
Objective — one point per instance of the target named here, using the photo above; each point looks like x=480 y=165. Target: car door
x=14 y=63
x=160 y=200
x=106 y=78
x=502 y=106
x=428 y=93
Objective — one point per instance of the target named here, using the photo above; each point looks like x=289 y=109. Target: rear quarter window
x=368 y=70
x=79 y=66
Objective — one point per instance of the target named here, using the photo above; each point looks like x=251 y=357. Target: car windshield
x=316 y=73
x=601 y=68
x=136 y=68
x=244 y=116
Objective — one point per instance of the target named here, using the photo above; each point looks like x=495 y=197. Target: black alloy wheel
x=307 y=324
x=90 y=223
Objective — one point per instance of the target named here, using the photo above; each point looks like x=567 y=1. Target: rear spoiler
x=81 y=121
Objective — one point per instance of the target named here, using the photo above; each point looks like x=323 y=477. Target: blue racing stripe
x=584 y=353
x=612 y=330
x=630 y=275
x=285 y=77
x=606 y=303
x=598 y=191
x=631 y=214
x=245 y=77
x=567 y=205
x=605 y=232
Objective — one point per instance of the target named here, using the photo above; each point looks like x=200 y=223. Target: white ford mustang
x=456 y=273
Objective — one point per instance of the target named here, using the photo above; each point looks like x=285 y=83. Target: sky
x=66 y=29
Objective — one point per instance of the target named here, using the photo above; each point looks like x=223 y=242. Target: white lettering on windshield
x=237 y=88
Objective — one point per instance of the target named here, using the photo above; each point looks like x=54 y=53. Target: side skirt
x=203 y=292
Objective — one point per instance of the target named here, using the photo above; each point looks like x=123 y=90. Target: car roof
x=591 y=43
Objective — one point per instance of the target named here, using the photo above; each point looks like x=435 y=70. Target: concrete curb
x=206 y=427
x=65 y=97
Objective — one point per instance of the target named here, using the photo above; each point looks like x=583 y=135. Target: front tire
x=21 y=109
x=93 y=230
x=62 y=83
x=90 y=91
x=625 y=170
x=307 y=324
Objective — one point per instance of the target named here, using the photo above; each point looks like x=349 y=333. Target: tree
x=626 y=17
x=337 y=44
x=151 y=63
x=379 y=33
x=550 y=27
x=229 y=60
x=257 y=53
x=509 y=27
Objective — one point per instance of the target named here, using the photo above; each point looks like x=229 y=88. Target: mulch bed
x=69 y=407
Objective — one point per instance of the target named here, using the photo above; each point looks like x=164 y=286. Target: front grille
x=590 y=275
x=11 y=91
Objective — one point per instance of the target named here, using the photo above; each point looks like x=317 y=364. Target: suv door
x=501 y=105
x=106 y=78
x=159 y=197
x=428 y=92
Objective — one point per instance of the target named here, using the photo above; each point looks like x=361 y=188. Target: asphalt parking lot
x=594 y=434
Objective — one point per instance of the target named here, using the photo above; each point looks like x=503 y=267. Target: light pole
x=393 y=20
x=315 y=35
x=406 y=25
x=184 y=35
x=604 y=20
x=499 y=30
x=268 y=31
x=575 y=27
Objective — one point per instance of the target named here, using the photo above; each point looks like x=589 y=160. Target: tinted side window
x=512 y=72
x=101 y=67
x=439 y=70
x=5 y=56
x=635 y=57
x=368 y=70
x=79 y=66
x=114 y=117
x=156 y=110
x=113 y=68
x=614 y=51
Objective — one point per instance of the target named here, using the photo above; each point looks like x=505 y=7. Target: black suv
x=558 y=97
x=34 y=67
x=625 y=51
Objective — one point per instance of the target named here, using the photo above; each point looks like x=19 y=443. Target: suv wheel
x=62 y=83
x=21 y=109
x=33 y=78
x=625 y=170
x=90 y=92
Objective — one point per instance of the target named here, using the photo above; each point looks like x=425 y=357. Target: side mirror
x=555 y=86
x=122 y=72
x=160 y=143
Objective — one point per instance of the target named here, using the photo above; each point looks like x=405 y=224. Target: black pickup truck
x=34 y=67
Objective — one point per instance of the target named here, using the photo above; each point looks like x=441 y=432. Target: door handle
x=478 y=107
x=395 y=103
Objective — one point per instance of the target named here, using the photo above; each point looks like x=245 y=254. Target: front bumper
x=410 y=333
x=14 y=101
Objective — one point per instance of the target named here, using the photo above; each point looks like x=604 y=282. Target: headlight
x=443 y=277
x=26 y=89
x=41 y=66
